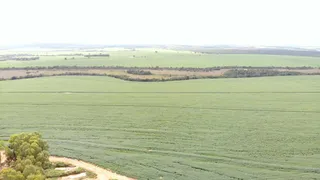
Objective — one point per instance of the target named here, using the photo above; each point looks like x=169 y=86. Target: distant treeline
x=19 y=57
x=267 y=51
x=97 y=55
x=19 y=54
x=208 y=69
x=76 y=54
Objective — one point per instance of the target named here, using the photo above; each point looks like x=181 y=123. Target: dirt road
x=102 y=174
x=3 y=157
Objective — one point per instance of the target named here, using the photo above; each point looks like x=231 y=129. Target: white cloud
x=249 y=22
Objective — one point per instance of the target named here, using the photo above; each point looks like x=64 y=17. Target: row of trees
x=138 y=72
x=97 y=55
x=27 y=157
x=208 y=69
x=238 y=73
x=19 y=58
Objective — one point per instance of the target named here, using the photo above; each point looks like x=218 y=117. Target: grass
x=60 y=164
x=254 y=128
x=164 y=58
x=52 y=173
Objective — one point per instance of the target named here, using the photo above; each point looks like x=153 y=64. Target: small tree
x=27 y=147
x=28 y=156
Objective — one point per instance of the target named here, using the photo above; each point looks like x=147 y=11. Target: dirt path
x=102 y=174
x=3 y=157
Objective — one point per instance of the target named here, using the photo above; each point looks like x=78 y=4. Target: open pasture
x=254 y=128
x=157 y=57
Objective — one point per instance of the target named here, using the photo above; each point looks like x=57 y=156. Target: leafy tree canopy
x=28 y=156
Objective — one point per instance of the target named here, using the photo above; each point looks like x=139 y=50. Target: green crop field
x=163 y=58
x=254 y=128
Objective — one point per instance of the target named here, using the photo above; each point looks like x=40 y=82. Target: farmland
x=250 y=128
x=147 y=57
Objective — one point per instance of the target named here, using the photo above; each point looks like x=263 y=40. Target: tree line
x=192 y=69
x=97 y=55
x=19 y=58
x=239 y=73
x=138 y=72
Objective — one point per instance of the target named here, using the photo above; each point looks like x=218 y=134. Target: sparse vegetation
x=52 y=173
x=60 y=164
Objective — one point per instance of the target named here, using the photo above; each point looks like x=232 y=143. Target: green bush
x=239 y=73
x=138 y=72
x=60 y=164
x=27 y=154
x=52 y=173
x=11 y=174
x=28 y=149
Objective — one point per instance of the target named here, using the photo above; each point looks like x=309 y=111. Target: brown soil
x=3 y=160
x=3 y=157
x=102 y=174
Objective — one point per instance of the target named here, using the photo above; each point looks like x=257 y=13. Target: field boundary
x=158 y=68
x=155 y=74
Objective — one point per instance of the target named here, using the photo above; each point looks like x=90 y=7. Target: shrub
x=238 y=73
x=60 y=164
x=138 y=72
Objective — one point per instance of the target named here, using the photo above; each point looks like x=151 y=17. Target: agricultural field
x=148 y=57
x=245 y=128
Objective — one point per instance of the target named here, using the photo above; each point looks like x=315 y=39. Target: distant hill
x=291 y=51
x=212 y=49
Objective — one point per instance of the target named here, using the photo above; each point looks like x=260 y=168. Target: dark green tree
x=28 y=148
x=28 y=155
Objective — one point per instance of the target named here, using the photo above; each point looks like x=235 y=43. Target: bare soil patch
x=102 y=174
x=3 y=157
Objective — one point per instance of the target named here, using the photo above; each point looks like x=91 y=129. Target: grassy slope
x=272 y=133
x=166 y=58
